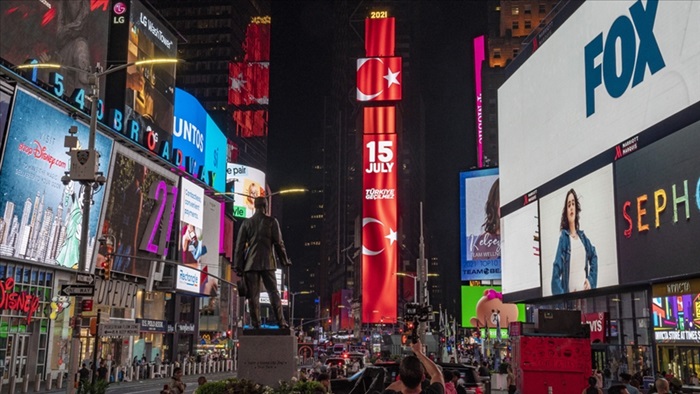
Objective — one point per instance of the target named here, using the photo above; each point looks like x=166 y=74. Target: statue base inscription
x=267 y=359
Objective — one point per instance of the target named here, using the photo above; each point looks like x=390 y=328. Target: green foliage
x=99 y=387
x=244 y=386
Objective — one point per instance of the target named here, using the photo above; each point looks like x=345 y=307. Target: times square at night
x=550 y=146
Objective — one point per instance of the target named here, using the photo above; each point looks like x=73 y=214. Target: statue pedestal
x=266 y=357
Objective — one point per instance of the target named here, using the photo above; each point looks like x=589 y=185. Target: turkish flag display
x=257 y=42
x=250 y=123
x=379 y=120
x=249 y=84
x=379 y=79
x=379 y=228
x=380 y=36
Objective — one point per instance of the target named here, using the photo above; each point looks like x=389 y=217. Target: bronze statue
x=259 y=240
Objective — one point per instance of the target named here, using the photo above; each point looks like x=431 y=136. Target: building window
x=516 y=25
x=528 y=24
x=543 y=8
x=497 y=53
x=515 y=11
x=527 y=9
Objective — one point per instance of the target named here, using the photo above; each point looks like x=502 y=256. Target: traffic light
x=107 y=264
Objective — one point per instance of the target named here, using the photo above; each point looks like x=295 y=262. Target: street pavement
x=149 y=386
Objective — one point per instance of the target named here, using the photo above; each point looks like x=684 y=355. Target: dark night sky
x=300 y=76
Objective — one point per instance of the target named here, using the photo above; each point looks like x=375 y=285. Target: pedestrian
x=484 y=370
x=592 y=387
x=411 y=374
x=458 y=382
x=166 y=390
x=102 y=371
x=626 y=379
x=662 y=386
x=449 y=385
x=511 y=380
x=618 y=389
x=84 y=374
x=177 y=386
x=325 y=380
x=201 y=381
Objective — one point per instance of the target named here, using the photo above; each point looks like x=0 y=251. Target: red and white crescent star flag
x=379 y=79
x=379 y=229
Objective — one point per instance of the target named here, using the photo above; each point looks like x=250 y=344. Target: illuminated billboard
x=379 y=79
x=479 y=57
x=189 y=133
x=577 y=230
x=657 y=205
x=483 y=307
x=146 y=92
x=140 y=211
x=70 y=33
x=520 y=252
x=244 y=183
x=200 y=219
x=596 y=95
x=379 y=228
x=675 y=308
x=215 y=146
x=42 y=217
x=480 y=225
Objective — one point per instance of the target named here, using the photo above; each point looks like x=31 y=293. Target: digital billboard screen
x=676 y=318
x=483 y=307
x=70 y=33
x=520 y=246
x=42 y=217
x=140 y=211
x=200 y=218
x=216 y=147
x=657 y=205
x=577 y=224
x=480 y=225
x=189 y=133
x=245 y=183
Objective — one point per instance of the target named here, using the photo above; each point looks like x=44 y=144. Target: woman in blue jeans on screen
x=576 y=262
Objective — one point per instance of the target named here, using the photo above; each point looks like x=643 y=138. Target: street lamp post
x=415 y=282
x=87 y=181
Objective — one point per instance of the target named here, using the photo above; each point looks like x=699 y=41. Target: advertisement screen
x=42 y=217
x=265 y=298
x=215 y=148
x=483 y=307
x=140 y=211
x=479 y=57
x=658 y=204
x=480 y=224
x=379 y=226
x=245 y=183
x=520 y=246
x=5 y=101
x=150 y=93
x=200 y=219
x=577 y=225
x=676 y=318
x=607 y=85
x=70 y=33
x=189 y=133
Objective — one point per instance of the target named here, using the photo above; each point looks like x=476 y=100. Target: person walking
x=259 y=239
x=510 y=380
x=592 y=386
x=177 y=386
x=626 y=379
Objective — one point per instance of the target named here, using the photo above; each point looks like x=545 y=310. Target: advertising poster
x=150 y=88
x=676 y=318
x=577 y=225
x=520 y=250
x=140 y=211
x=658 y=206
x=483 y=307
x=245 y=183
x=379 y=228
x=216 y=147
x=189 y=133
x=71 y=33
x=42 y=217
x=480 y=224
x=5 y=101
x=200 y=219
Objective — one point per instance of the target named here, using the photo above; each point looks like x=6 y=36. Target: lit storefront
x=26 y=306
x=153 y=325
x=675 y=319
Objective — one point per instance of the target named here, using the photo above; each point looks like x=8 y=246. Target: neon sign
x=17 y=301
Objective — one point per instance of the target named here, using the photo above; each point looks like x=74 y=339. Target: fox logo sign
x=634 y=56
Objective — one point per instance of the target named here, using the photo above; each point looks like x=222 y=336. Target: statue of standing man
x=259 y=240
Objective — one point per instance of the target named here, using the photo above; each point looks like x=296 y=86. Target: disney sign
x=17 y=301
